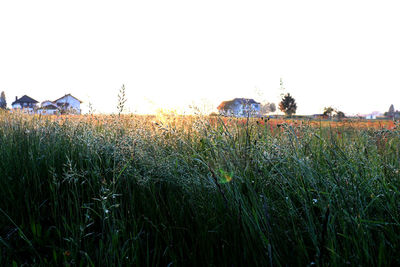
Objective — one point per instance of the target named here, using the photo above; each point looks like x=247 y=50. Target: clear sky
x=172 y=53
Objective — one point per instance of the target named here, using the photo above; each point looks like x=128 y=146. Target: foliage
x=3 y=102
x=225 y=106
x=288 y=105
x=267 y=107
x=340 y=114
x=391 y=110
x=272 y=107
x=392 y=113
x=204 y=191
x=333 y=112
x=328 y=111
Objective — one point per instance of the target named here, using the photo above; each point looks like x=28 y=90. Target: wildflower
x=226 y=177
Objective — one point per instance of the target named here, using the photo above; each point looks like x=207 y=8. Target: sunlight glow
x=170 y=54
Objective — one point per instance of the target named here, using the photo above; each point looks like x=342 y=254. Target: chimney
x=16 y=98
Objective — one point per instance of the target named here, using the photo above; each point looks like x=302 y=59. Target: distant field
x=198 y=191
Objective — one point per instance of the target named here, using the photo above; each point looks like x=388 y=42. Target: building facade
x=239 y=107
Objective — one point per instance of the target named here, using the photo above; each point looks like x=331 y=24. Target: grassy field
x=198 y=191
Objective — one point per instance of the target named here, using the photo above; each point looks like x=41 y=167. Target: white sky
x=171 y=53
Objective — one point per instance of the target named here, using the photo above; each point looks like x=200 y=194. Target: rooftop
x=24 y=99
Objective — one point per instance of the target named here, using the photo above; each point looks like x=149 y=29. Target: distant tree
x=267 y=107
x=226 y=108
x=328 y=111
x=288 y=105
x=3 y=102
x=272 y=107
x=340 y=114
x=391 y=112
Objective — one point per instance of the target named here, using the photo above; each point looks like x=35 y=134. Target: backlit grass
x=172 y=190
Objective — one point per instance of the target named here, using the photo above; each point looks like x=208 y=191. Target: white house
x=48 y=108
x=373 y=115
x=47 y=103
x=239 y=107
x=25 y=104
x=69 y=104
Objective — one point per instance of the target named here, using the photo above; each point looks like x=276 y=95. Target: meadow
x=168 y=190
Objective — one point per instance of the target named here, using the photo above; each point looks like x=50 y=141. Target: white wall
x=16 y=106
x=245 y=109
x=47 y=111
x=73 y=103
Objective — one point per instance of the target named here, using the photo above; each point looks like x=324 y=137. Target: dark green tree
x=340 y=114
x=390 y=113
x=328 y=111
x=3 y=102
x=288 y=105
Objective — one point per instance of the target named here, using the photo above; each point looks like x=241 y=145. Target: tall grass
x=172 y=191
